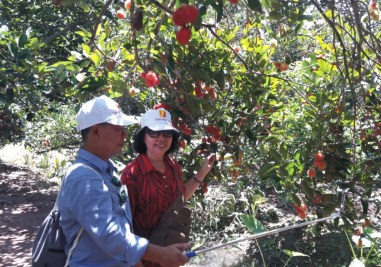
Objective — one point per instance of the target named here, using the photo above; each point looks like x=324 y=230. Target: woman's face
x=158 y=142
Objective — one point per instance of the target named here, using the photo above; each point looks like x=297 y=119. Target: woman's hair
x=140 y=147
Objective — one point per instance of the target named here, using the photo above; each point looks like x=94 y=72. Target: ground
x=27 y=196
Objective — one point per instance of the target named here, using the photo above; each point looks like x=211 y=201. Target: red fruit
x=301 y=210
x=372 y=5
x=127 y=4
x=319 y=156
x=311 y=173
x=185 y=14
x=212 y=93
x=198 y=91
x=132 y=91
x=120 y=14
x=182 y=144
x=151 y=78
x=283 y=67
x=191 y=14
x=162 y=105
x=233 y=1
x=178 y=17
x=277 y=64
x=320 y=164
x=183 y=36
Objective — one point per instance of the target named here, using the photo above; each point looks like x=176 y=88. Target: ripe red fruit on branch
x=372 y=5
x=373 y=10
x=319 y=156
x=127 y=4
x=212 y=93
x=120 y=14
x=185 y=14
x=182 y=143
x=321 y=165
x=183 y=36
x=311 y=173
x=233 y=1
x=151 y=78
x=283 y=67
x=301 y=210
x=277 y=64
x=162 y=105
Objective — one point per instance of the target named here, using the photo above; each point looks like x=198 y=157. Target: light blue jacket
x=89 y=200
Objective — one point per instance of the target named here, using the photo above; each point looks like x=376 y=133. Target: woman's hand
x=207 y=165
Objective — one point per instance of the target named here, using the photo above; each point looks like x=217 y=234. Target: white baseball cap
x=157 y=120
x=99 y=110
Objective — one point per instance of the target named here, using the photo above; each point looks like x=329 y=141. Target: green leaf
x=293 y=253
x=254 y=225
x=84 y=33
x=219 y=8
x=23 y=39
x=265 y=169
x=275 y=15
x=307 y=190
x=275 y=154
x=258 y=199
x=84 y=6
x=255 y=5
x=220 y=78
x=250 y=135
x=94 y=83
x=13 y=49
x=296 y=199
x=290 y=168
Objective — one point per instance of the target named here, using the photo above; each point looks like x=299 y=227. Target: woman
x=154 y=179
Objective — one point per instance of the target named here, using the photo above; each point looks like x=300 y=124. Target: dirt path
x=25 y=199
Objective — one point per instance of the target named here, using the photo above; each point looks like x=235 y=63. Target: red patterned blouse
x=150 y=192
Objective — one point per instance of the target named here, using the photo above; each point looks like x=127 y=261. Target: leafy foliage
x=266 y=84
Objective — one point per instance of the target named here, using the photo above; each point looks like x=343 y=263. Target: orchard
x=286 y=93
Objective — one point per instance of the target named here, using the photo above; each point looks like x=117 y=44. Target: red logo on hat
x=162 y=113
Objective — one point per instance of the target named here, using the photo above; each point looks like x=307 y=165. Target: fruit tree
x=285 y=91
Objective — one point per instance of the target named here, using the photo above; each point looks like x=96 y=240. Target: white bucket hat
x=99 y=110
x=157 y=120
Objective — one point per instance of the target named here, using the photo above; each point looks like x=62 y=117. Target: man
x=93 y=199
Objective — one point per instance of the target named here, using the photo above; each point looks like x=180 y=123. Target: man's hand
x=170 y=256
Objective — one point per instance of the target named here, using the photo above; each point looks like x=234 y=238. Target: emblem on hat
x=162 y=113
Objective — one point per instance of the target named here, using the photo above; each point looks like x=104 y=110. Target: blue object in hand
x=190 y=254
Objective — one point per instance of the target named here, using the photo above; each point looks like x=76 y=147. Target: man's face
x=110 y=139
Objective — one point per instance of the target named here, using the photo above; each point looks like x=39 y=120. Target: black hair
x=85 y=134
x=140 y=147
